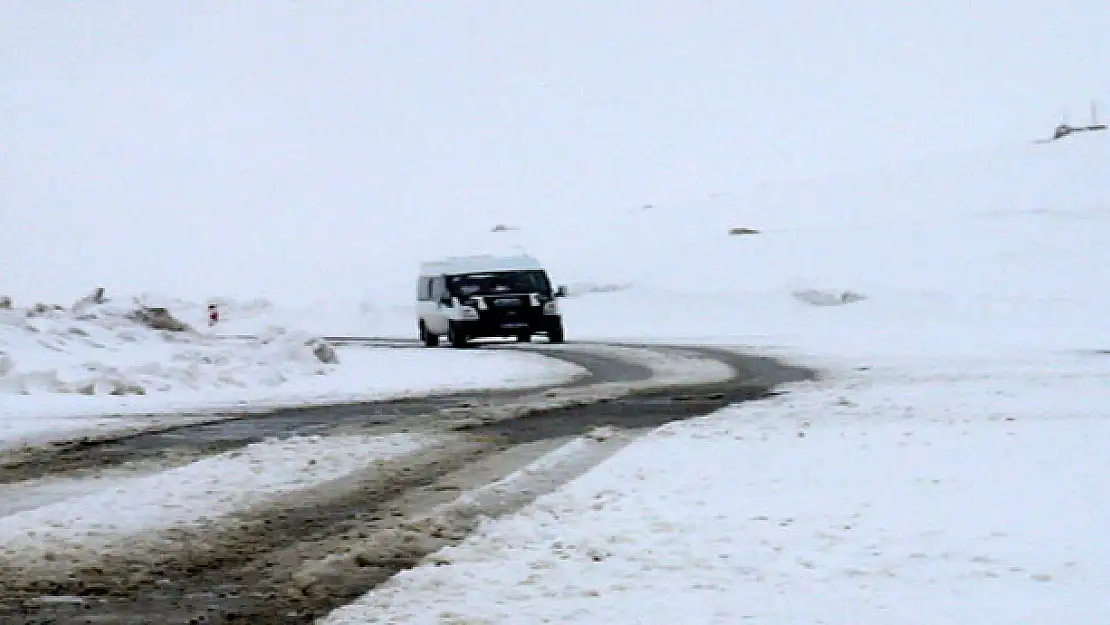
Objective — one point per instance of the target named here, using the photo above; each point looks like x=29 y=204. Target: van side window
x=439 y=287
x=424 y=289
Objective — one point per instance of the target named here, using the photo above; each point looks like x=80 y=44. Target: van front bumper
x=481 y=328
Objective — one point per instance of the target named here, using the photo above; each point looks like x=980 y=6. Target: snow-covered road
x=150 y=507
x=76 y=531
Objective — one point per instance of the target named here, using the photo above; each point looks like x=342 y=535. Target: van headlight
x=551 y=308
x=468 y=313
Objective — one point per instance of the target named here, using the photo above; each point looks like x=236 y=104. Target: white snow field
x=947 y=468
x=94 y=371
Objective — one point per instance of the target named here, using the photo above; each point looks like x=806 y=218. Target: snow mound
x=99 y=370
x=107 y=349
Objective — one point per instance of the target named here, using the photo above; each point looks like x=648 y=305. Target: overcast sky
x=215 y=147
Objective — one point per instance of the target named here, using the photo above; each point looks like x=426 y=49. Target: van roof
x=472 y=264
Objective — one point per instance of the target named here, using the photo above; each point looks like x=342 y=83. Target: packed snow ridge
x=93 y=366
x=109 y=348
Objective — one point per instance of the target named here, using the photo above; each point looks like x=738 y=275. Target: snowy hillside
x=983 y=251
x=295 y=152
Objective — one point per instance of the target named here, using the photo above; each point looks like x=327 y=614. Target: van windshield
x=498 y=282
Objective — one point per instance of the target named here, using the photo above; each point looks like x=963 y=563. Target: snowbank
x=68 y=371
x=103 y=352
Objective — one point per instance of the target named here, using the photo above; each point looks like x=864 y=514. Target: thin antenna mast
x=1094 y=118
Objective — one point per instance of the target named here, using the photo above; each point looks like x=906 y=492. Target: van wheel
x=456 y=336
x=524 y=337
x=555 y=333
x=430 y=340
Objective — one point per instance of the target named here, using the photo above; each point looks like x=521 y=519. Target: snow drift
x=105 y=349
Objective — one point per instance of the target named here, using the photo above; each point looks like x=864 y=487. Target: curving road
x=252 y=568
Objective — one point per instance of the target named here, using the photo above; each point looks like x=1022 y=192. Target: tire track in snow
x=199 y=437
x=277 y=563
x=74 y=532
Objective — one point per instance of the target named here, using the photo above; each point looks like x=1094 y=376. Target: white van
x=470 y=297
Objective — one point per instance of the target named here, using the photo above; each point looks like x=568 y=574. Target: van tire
x=429 y=339
x=524 y=337
x=456 y=336
x=555 y=333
